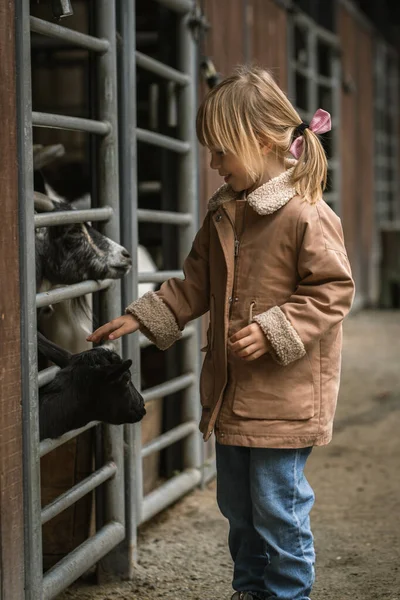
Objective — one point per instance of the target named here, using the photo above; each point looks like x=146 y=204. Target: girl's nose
x=214 y=162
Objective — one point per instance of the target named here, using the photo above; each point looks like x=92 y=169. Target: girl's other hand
x=114 y=329
x=249 y=343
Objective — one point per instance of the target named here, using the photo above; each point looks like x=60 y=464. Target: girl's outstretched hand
x=114 y=329
x=249 y=343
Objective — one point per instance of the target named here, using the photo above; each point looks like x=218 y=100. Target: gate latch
x=62 y=8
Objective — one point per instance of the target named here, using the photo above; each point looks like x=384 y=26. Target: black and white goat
x=68 y=254
x=94 y=385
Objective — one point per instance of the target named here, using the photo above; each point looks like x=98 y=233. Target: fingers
x=102 y=333
x=236 y=347
x=112 y=330
x=247 y=351
x=246 y=331
x=255 y=355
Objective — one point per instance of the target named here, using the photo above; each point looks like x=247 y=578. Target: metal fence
x=121 y=476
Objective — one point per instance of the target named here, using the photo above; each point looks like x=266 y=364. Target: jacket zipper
x=236 y=254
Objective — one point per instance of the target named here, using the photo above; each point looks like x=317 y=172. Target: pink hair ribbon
x=320 y=123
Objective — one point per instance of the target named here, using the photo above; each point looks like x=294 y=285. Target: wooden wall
x=11 y=488
x=357 y=144
x=269 y=39
x=242 y=32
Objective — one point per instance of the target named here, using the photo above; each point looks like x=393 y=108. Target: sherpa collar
x=265 y=200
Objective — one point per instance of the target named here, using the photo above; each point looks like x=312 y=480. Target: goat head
x=94 y=385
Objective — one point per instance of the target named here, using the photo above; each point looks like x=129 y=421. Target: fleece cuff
x=156 y=320
x=285 y=342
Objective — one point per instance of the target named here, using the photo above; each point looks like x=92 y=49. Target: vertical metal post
x=129 y=238
x=32 y=508
x=110 y=301
x=188 y=202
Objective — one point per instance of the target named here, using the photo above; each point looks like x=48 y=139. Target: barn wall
x=269 y=46
x=11 y=486
x=256 y=34
x=357 y=141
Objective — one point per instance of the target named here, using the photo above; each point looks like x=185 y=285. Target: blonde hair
x=248 y=110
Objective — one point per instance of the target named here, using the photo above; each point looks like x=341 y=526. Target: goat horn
x=44 y=155
x=55 y=353
x=42 y=203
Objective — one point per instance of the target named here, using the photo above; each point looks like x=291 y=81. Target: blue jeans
x=267 y=500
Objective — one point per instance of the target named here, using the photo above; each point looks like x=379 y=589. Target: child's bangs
x=212 y=126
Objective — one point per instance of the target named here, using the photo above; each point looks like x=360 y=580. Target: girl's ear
x=265 y=147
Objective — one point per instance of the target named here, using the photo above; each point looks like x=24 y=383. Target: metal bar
x=179 y=6
x=389 y=225
x=48 y=445
x=169 y=387
x=187 y=332
x=29 y=395
x=159 y=68
x=73 y=216
x=47 y=375
x=68 y=35
x=167 y=493
x=80 y=560
x=78 y=491
x=189 y=203
x=71 y=291
x=303 y=19
x=129 y=234
x=359 y=15
x=209 y=471
x=158 y=276
x=149 y=187
x=40 y=119
x=163 y=141
x=169 y=438
x=163 y=216
x=110 y=299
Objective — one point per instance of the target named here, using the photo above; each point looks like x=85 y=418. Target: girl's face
x=231 y=169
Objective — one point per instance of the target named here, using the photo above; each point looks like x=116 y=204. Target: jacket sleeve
x=163 y=314
x=324 y=292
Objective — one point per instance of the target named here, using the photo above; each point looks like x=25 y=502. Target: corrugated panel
x=225 y=40
x=349 y=146
x=269 y=38
x=225 y=45
x=365 y=154
x=357 y=145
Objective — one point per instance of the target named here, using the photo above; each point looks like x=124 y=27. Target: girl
x=270 y=265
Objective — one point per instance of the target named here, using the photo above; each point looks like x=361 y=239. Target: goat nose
x=125 y=253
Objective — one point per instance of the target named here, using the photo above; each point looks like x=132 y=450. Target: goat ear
x=114 y=372
x=55 y=353
x=42 y=203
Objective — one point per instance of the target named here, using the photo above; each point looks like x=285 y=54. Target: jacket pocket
x=207 y=376
x=266 y=390
x=211 y=329
x=207 y=380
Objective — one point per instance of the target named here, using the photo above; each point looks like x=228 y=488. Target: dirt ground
x=356 y=519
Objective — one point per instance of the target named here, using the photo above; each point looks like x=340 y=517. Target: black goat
x=94 y=385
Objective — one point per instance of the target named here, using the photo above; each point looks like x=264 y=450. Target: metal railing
x=125 y=505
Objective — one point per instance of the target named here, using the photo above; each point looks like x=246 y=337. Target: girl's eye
x=217 y=152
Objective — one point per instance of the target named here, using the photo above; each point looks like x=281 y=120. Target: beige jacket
x=289 y=272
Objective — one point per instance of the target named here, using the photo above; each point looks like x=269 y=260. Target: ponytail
x=310 y=172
